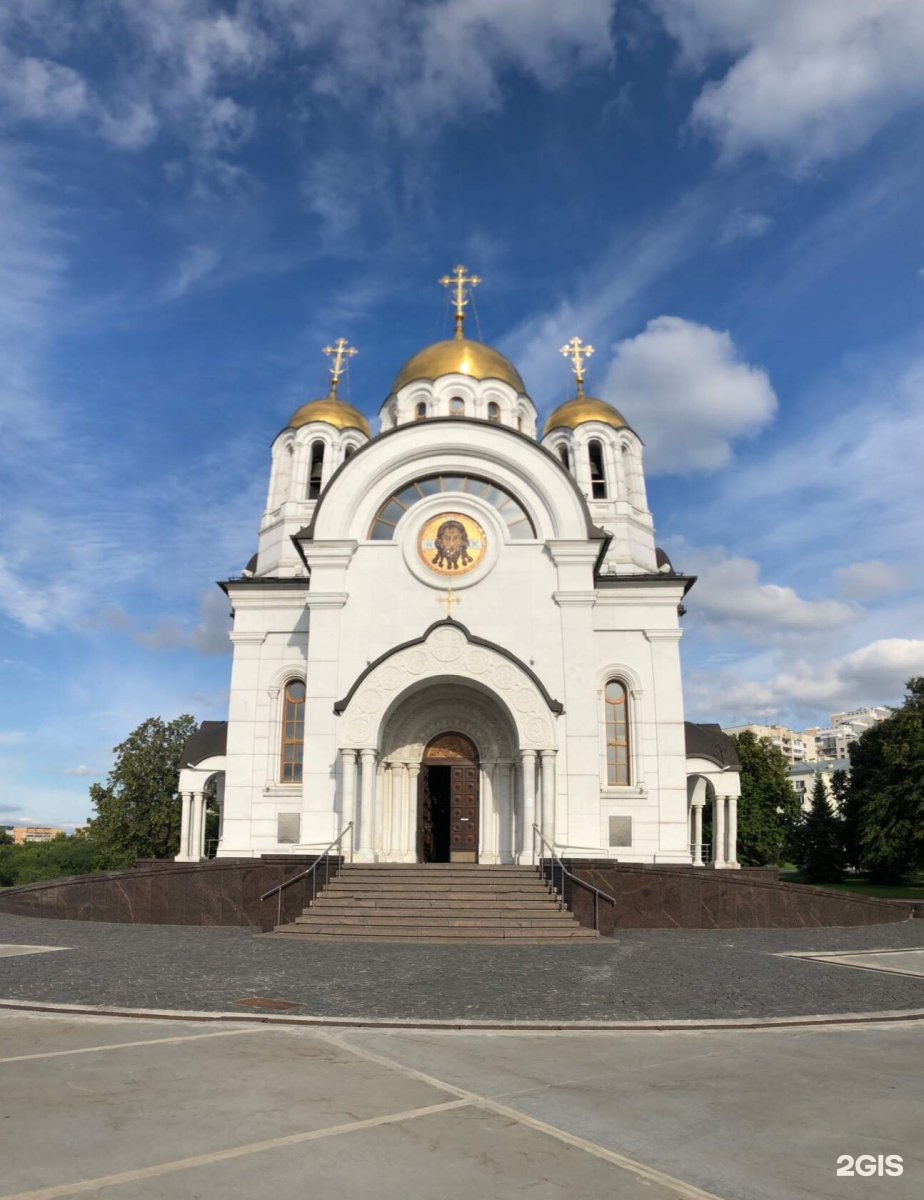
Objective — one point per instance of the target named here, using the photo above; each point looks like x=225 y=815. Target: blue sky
x=723 y=196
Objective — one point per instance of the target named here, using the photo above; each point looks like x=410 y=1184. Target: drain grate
x=267 y=1002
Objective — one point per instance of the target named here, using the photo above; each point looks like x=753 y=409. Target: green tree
x=138 y=809
x=822 y=839
x=887 y=787
x=846 y=805
x=768 y=811
x=5 y=837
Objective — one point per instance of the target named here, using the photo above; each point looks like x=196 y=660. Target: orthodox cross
x=577 y=352
x=449 y=600
x=458 y=280
x=338 y=352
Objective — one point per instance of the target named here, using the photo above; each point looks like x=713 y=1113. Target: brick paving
x=640 y=975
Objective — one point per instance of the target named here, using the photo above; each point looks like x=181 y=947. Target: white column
x=185 y=832
x=198 y=826
x=696 y=812
x=527 y=852
x=348 y=797
x=378 y=812
x=503 y=791
x=410 y=845
x=367 y=797
x=718 y=831
x=731 y=856
x=547 y=767
x=398 y=807
x=487 y=817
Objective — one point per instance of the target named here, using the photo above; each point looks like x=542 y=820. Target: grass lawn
x=860 y=885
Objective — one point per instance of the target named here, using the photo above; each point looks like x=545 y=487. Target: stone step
x=412 y=904
x=477 y=878
x=509 y=939
x=440 y=933
x=513 y=917
x=385 y=889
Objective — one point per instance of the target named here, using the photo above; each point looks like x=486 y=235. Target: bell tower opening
x=448 y=801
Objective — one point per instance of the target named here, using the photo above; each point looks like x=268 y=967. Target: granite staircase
x=438 y=902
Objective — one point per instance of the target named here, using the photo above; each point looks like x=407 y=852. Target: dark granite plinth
x=222 y=892
x=703 y=898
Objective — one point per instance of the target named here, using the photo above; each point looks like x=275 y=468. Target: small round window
x=457 y=407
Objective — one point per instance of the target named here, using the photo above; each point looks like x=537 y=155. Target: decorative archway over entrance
x=448 y=803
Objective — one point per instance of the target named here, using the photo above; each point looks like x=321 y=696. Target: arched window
x=617 y=733
x=597 y=477
x=421 y=411
x=457 y=407
x=349 y=452
x=315 y=470
x=293 y=732
x=520 y=422
x=514 y=516
x=493 y=411
x=563 y=455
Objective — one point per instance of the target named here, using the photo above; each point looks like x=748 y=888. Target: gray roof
x=210 y=738
x=708 y=741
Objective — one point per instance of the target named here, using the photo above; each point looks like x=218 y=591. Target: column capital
x=527 y=754
x=547 y=753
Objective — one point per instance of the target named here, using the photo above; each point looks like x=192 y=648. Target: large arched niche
x=447 y=655
x=418 y=716
x=529 y=472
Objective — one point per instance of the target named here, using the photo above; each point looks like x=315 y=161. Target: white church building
x=457 y=640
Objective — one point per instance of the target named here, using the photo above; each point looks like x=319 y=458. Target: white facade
x=564 y=595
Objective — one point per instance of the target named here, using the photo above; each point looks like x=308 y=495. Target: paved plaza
x=641 y=975
x=133 y=1109
x=224 y=1097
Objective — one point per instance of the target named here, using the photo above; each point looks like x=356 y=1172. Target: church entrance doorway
x=448 y=802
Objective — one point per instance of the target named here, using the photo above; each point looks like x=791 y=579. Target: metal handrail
x=597 y=892
x=281 y=887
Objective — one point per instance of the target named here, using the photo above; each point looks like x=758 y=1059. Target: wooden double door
x=448 y=802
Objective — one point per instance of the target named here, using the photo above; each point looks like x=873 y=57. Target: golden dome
x=459 y=356
x=332 y=411
x=584 y=408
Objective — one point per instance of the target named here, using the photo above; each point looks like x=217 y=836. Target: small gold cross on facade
x=449 y=600
x=577 y=352
x=338 y=352
x=458 y=280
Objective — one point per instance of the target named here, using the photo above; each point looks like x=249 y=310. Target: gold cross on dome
x=458 y=280
x=577 y=352
x=338 y=352
x=449 y=600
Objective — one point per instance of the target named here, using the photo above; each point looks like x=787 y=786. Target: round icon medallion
x=451 y=543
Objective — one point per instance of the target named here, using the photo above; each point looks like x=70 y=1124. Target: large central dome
x=459 y=356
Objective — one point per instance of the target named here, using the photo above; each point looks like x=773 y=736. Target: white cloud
x=870 y=580
x=688 y=394
x=197 y=263
x=12 y=737
x=809 y=80
x=730 y=597
x=39 y=90
x=82 y=771
x=873 y=674
x=743 y=225
x=209 y=636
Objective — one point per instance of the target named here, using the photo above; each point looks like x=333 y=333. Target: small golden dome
x=584 y=408
x=332 y=411
x=459 y=356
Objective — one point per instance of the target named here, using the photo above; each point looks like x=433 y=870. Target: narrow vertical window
x=315 y=470
x=617 y=734
x=421 y=410
x=493 y=411
x=563 y=455
x=597 y=477
x=457 y=407
x=349 y=452
x=293 y=731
